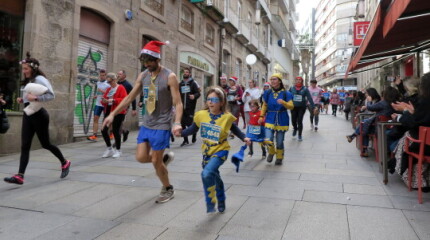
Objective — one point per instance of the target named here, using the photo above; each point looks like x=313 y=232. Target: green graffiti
x=96 y=56
x=88 y=90
x=78 y=113
x=81 y=60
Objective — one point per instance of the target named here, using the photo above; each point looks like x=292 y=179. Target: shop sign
x=360 y=30
x=196 y=61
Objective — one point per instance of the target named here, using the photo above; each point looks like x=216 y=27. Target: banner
x=360 y=30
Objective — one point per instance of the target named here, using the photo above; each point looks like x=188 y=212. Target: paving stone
x=265 y=174
x=259 y=218
x=196 y=219
x=410 y=203
x=297 y=185
x=309 y=220
x=24 y=224
x=118 y=170
x=339 y=179
x=420 y=222
x=268 y=192
x=379 y=223
x=151 y=213
x=174 y=234
x=132 y=231
x=348 y=198
x=363 y=189
x=82 y=228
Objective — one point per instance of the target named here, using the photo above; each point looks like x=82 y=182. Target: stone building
x=74 y=39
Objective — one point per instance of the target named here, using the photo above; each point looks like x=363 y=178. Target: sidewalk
x=324 y=190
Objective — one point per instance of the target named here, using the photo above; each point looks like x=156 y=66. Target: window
x=210 y=34
x=225 y=62
x=270 y=36
x=238 y=69
x=156 y=6
x=11 y=34
x=187 y=19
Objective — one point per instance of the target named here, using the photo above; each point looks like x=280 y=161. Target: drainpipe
x=221 y=41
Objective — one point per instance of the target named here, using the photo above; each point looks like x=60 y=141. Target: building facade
x=333 y=42
x=74 y=39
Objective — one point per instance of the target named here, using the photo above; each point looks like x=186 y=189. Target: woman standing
x=111 y=99
x=335 y=101
x=276 y=101
x=37 y=123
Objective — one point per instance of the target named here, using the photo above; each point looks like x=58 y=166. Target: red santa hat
x=234 y=79
x=153 y=48
x=266 y=84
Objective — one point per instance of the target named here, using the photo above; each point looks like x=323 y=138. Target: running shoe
x=210 y=208
x=111 y=136
x=168 y=158
x=263 y=156
x=65 y=169
x=184 y=143
x=92 y=138
x=16 y=179
x=364 y=153
x=278 y=162
x=316 y=128
x=221 y=206
x=300 y=138
x=350 y=138
x=125 y=135
x=312 y=126
x=108 y=153
x=165 y=195
x=269 y=158
x=193 y=140
x=294 y=133
x=117 y=153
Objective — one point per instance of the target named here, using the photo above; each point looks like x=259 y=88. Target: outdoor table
x=382 y=146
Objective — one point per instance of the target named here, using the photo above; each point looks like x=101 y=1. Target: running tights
x=36 y=123
x=116 y=126
x=297 y=117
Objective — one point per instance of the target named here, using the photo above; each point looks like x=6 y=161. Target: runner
x=156 y=82
x=36 y=123
x=301 y=96
x=316 y=93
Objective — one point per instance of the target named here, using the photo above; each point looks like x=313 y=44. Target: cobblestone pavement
x=324 y=190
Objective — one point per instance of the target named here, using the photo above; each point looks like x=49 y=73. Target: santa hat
x=266 y=84
x=153 y=48
x=234 y=79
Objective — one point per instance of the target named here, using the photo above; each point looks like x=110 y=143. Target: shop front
x=202 y=71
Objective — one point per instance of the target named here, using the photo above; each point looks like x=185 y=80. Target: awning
x=398 y=27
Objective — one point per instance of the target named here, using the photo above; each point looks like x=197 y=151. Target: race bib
x=145 y=93
x=231 y=98
x=185 y=89
x=315 y=94
x=210 y=132
x=254 y=129
x=297 y=98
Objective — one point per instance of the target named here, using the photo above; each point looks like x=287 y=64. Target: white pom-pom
x=167 y=42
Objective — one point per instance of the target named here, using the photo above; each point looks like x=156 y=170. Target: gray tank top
x=161 y=118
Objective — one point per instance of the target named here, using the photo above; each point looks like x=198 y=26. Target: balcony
x=155 y=6
x=284 y=5
x=214 y=9
x=231 y=22
x=265 y=14
x=244 y=35
x=253 y=44
x=267 y=56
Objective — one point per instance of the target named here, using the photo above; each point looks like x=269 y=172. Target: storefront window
x=11 y=30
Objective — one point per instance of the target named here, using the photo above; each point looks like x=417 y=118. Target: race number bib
x=254 y=129
x=297 y=98
x=210 y=132
x=146 y=91
x=185 y=89
x=231 y=98
x=315 y=94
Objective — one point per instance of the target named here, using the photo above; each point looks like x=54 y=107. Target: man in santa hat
x=161 y=92
x=234 y=95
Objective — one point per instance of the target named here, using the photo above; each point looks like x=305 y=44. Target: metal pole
x=313 y=44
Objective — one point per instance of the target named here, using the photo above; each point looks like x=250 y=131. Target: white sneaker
x=108 y=153
x=312 y=127
x=117 y=154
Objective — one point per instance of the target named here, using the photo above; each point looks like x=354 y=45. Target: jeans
x=212 y=182
x=269 y=134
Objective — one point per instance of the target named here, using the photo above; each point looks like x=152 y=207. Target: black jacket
x=187 y=88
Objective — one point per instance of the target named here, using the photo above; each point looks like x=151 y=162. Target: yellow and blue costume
x=214 y=131
x=277 y=119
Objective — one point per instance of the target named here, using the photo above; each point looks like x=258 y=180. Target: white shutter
x=92 y=57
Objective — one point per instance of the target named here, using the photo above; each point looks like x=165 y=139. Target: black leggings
x=297 y=117
x=37 y=123
x=334 y=109
x=116 y=126
x=313 y=116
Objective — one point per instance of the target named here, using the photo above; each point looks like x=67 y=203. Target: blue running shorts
x=158 y=139
x=98 y=110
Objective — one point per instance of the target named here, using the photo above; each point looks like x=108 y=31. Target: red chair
x=424 y=140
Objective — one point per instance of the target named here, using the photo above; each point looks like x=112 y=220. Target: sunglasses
x=142 y=61
x=213 y=100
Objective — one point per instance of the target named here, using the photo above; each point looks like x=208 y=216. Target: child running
x=255 y=130
x=215 y=123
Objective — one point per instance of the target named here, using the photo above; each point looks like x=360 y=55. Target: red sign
x=360 y=30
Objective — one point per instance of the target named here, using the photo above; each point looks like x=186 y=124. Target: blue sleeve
x=309 y=97
x=190 y=130
x=236 y=131
x=265 y=96
x=379 y=106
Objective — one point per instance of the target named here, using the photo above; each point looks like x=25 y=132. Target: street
x=323 y=190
